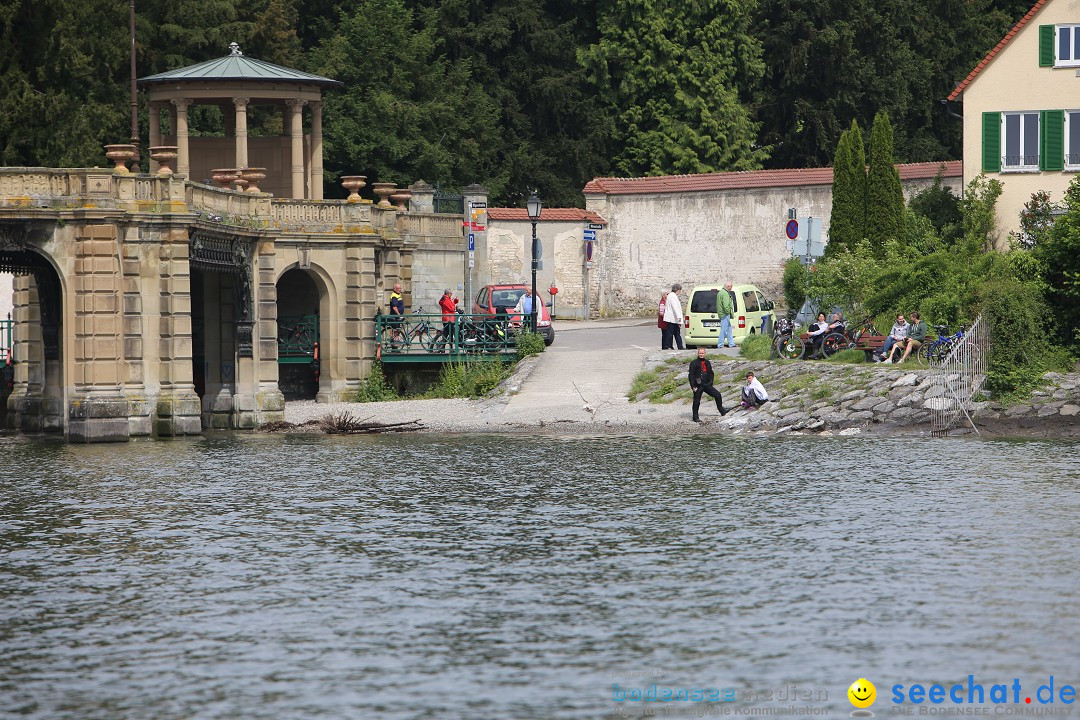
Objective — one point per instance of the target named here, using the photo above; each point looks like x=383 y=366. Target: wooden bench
x=870 y=344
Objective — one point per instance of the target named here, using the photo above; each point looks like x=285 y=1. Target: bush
x=529 y=343
x=469 y=379
x=794 y=283
x=374 y=387
x=756 y=347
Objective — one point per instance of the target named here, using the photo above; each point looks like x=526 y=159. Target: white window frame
x=1074 y=37
x=1022 y=166
x=1073 y=166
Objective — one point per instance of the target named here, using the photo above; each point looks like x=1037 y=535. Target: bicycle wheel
x=424 y=339
x=833 y=343
x=790 y=347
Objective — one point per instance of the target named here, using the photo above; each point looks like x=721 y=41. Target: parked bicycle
x=940 y=348
x=402 y=332
x=786 y=344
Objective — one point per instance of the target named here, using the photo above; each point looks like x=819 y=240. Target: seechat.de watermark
x=1051 y=697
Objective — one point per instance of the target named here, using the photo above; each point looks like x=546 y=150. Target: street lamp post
x=533 y=206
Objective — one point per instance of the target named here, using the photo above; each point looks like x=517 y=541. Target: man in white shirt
x=673 y=316
x=754 y=394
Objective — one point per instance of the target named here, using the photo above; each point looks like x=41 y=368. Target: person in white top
x=673 y=316
x=754 y=394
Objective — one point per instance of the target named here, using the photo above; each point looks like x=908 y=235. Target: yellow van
x=702 y=324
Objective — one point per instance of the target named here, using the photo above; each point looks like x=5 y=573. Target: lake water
x=249 y=576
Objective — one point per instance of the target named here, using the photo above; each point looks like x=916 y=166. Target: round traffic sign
x=588 y=250
x=792 y=229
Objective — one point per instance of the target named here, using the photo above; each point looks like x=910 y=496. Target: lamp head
x=533 y=206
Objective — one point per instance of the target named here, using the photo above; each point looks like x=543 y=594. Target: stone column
x=296 y=130
x=241 y=104
x=97 y=408
x=269 y=400
x=177 y=411
x=183 y=159
x=155 y=132
x=316 y=152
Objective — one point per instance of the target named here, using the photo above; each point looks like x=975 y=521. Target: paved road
x=584 y=376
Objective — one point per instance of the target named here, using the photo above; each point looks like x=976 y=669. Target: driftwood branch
x=344 y=423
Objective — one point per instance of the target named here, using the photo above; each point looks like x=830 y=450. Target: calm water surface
x=510 y=577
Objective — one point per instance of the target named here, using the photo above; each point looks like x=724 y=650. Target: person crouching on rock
x=754 y=394
x=701 y=381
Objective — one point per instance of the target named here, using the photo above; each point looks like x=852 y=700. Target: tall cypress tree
x=884 y=196
x=847 y=223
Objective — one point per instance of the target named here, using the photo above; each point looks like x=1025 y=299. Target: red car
x=504 y=297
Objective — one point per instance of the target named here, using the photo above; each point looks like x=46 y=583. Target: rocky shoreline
x=820 y=397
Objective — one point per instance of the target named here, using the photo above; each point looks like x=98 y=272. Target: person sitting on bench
x=915 y=338
x=817 y=334
x=896 y=337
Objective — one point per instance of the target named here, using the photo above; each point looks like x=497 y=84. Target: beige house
x=1022 y=110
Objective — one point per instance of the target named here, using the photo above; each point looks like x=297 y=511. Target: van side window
x=481 y=299
x=750 y=303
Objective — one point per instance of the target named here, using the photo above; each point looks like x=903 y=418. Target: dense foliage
x=518 y=94
x=884 y=196
x=951 y=278
x=847 y=222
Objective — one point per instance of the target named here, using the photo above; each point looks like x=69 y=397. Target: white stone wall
x=436 y=266
x=504 y=254
x=695 y=238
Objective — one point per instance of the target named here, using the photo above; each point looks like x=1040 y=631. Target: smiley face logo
x=862 y=693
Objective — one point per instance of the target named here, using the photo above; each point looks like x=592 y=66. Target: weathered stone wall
x=695 y=238
x=437 y=264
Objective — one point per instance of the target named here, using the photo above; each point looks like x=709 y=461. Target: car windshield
x=704 y=301
x=506 y=298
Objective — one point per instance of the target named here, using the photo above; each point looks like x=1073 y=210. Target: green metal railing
x=298 y=339
x=419 y=337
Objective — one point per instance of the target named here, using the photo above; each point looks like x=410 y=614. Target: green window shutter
x=991 y=155
x=1046 y=46
x=1052 y=140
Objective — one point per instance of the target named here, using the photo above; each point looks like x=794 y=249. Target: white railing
x=961 y=374
x=433 y=225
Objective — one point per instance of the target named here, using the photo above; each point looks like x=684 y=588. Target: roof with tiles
x=752 y=179
x=959 y=89
x=547 y=214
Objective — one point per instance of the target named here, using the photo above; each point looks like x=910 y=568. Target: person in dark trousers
x=701 y=381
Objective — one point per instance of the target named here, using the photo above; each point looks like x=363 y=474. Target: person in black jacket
x=701 y=381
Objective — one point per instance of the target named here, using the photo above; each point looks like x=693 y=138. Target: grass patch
x=667 y=387
x=756 y=347
x=469 y=379
x=848 y=357
x=642 y=382
x=374 y=387
x=822 y=392
x=799 y=382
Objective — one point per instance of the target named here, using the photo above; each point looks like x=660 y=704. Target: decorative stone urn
x=224 y=176
x=163 y=155
x=239 y=181
x=121 y=155
x=384 y=190
x=401 y=197
x=353 y=183
x=253 y=176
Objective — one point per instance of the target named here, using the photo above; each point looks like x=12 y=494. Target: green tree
x=676 y=78
x=1060 y=256
x=884 y=195
x=847 y=222
x=406 y=111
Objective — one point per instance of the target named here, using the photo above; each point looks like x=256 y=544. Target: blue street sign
x=472 y=241
x=590 y=235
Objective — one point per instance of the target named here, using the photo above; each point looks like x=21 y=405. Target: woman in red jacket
x=448 y=303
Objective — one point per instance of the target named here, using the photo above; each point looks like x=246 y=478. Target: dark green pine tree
x=884 y=196
x=847 y=223
x=677 y=79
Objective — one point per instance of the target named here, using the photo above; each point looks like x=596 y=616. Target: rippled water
x=512 y=577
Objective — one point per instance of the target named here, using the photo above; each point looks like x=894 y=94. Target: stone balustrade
x=432 y=225
x=62 y=188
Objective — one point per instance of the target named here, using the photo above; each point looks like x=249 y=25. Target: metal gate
x=960 y=375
